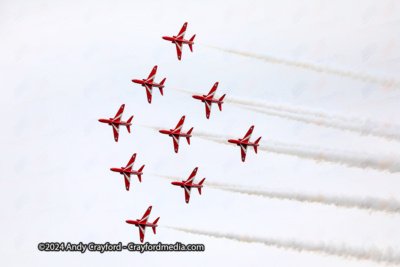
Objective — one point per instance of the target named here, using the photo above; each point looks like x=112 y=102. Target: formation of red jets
x=176 y=133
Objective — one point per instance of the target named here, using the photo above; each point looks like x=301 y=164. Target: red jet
x=116 y=122
x=142 y=224
x=178 y=40
x=127 y=171
x=208 y=100
x=148 y=83
x=243 y=143
x=188 y=184
x=176 y=133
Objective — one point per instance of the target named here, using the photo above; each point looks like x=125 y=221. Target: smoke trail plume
x=349 y=159
x=387 y=256
x=151 y=127
x=362 y=76
x=346 y=158
x=368 y=203
x=362 y=127
x=320 y=118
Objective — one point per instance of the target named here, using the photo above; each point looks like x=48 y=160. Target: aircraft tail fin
x=128 y=127
x=188 y=138
x=220 y=104
x=141 y=168
x=190 y=45
x=256 y=142
x=161 y=89
x=140 y=176
x=155 y=222
x=201 y=182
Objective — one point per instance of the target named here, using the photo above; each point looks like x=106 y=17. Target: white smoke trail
x=320 y=118
x=367 y=203
x=388 y=256
x=362 y=76
x=347 y=158
x=366 y=127
x=151 y=127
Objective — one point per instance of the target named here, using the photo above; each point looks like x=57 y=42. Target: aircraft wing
x=119 y=113
x=116 y=131
x=175 y=139
x=142 y=231
x=179 y=125
x=179 y=49
x=152 y=75
x=208 y=108
x=187 y=193
x=131 y=162
x=182 y=32
x=247 y=137
x=212 y=91
x=149 y=92
x=243 y=149
x=146 y=215
x=127 y=177
x=192 y=176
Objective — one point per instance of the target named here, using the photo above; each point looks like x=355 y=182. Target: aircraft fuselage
x=145 y=82
x=182 y=184
x=137 y=223
x=122 y=171
x=240 y=142
x=205 y=98
x=110 y=121
x=171 y=132
x=174 y=39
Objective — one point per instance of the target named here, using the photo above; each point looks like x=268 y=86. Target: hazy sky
x=65 y=64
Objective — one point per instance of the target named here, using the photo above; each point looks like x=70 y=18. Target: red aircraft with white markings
x=116 y=122
x=188 y=184
x=127 y=171
x=149 y=84
x=142 y=224
x=176 y=133
x=179 y=41
x=245 y=142
x=209 y=99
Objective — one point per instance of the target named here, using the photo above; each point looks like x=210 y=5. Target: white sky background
x=65 y=65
